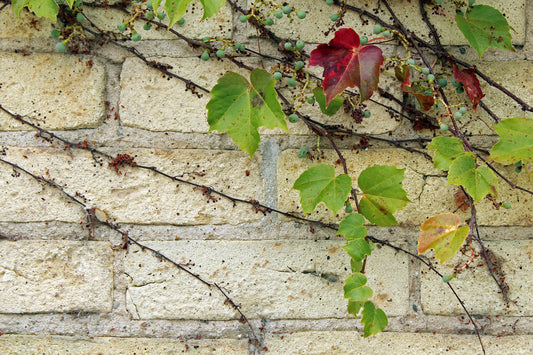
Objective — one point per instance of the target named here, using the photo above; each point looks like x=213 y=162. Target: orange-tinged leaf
x=347 y=64
x=442 y=233
x=403 y=73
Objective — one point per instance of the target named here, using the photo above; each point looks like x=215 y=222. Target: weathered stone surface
x=32 y=344
x=478 y=289
x=421 y=182
x=135 y=195
x=28 y=26
x=269 y=279
x=156 y=103
x=219 y=25
x=346 y=342
x=55 y=276
x=53 y=90
x=312 y=28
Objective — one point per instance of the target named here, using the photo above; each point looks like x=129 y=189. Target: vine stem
x=143 y=247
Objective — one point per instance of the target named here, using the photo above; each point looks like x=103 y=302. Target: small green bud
x=367 y=113
x=448 y=278
x=458 y=115
x=299 y=65
x=277 y=75
x=301 y=14
x=348 y=208
x=278 y=14
x=243 y=18
x=61 y=47
x=507 y=205
x=456 y=84
x=300 y=44
x=460 y=90
x=221 y=53
x=122 y=26
x=293 y=118
x=291 y=82
x=205 y=56
x=149 y=15
x=161 y=15
x=386 y=33
x=136 y=37
x=463 y=110
x=269 y=22
x=181 y=21
x=55 y=34
x=286 y=9
x=410 y=61
x=425 y=71
x=378 y=28
x=329 y=2
x=80 y=17
x=364 y=39
x=334 y=17
x=431 y=77
x=311 y=100
x=444 y=127
x=147 y=26
x=288 y=46
x=149 y=4
x=302 y=153
x=442 y=82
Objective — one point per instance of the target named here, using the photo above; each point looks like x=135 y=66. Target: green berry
x=438 y=2
x=286 y=9
x=80 y=17
x=442 y=82
x=463 y=110
x=136 y=37
x=507 y=205
x=161 y=15
x=181 y=21
x=302 y=153
x=334 y=17
x=364 y=39
x=78 y=3
x=61 y=47
x=242 y=47
x=293 y=118
x=205 y=56
x=437 y=107
x=301 y=14
x=269 y=22
x=221 y=53
x=291 y=82
x=367 y=113
x=329 y=2
x=444 y=127
x=278 y=14
x=149 y=4
x=518 y=166
x=430 y=77
x=300 y=44
x=311 y=100
x=460 y=90
x=471 y=2
x=299 y=65
x=277 y=75
x=425 y=71
x=428 y=92
x=55 y=34
x=348 y=209
x=456 y=84
x=147 y=26
x=378 y=29
x=410 y=61
x=206 y=39
x=243 y=18
x=386 y=33
x=448 y=278
x=122 y=27
x=288 y=46
x=149 y=15
x=458 y=115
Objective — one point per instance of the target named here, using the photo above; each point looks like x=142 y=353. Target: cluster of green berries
x=221 y=53
x=298 y=45
x=379 y=29
x=459 y=88
x=285 y=10
x=459 y=114
x=303 y=152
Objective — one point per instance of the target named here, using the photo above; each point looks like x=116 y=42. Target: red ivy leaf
x=347 y=64
x=468 y=78
x=402 y=73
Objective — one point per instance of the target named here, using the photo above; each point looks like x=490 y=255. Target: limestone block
x=28 y=26
x=55 y=276
x=514 y=76
x=478 y=289
x=292 y=279
x=317 y=22
x=32 y=344
x=156 y=103
x=55 y=91
x=351 y=342
x=427 y=191
x=219 y=25
x=134 y=195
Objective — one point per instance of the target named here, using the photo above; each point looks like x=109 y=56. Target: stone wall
x=65 y=289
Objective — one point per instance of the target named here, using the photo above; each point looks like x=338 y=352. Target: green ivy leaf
x=383 y=194
x=358 y=249
x=319 y=184
x=352 y=227
x=44 y=8
x=240 y=108
x=354 y=307
x=478 y=181
x=355 y=289
x=155 y=5
x=515 y=144
x=334 y=105
x=175 y=9
x=484 y=26
x=374 y=319
x=446 y=150
x=441 y=233
x=18 y=5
